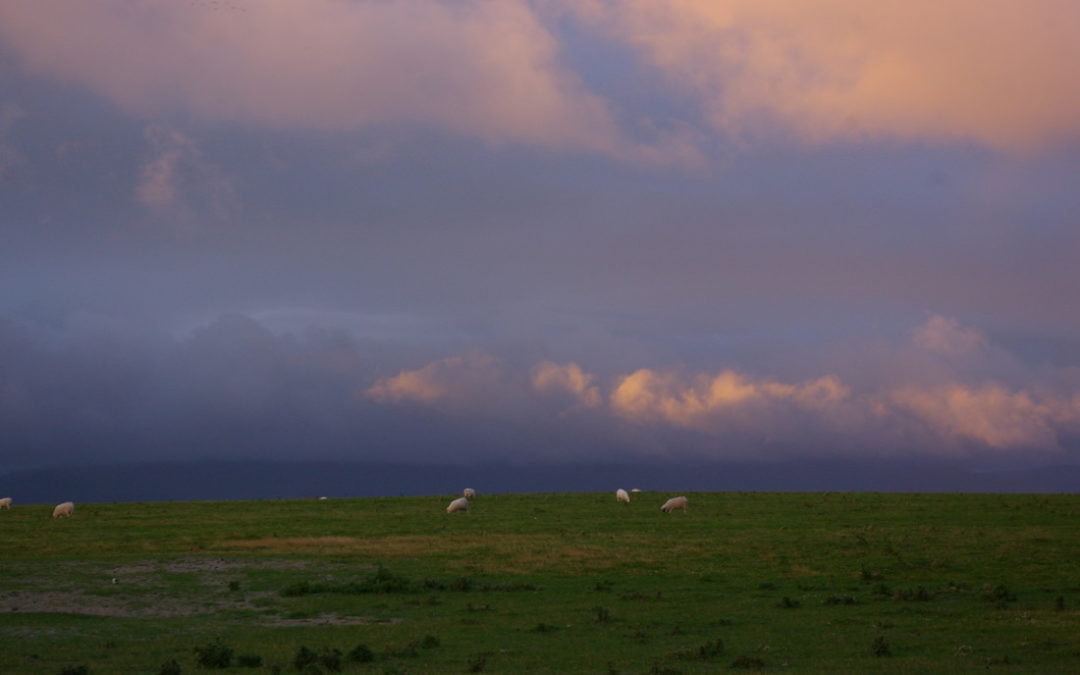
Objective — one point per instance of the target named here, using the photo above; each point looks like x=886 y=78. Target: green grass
x=547 y=583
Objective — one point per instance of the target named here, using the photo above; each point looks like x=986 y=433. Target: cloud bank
x=994 y=73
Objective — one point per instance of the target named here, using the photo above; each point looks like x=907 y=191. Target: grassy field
x=546 y=583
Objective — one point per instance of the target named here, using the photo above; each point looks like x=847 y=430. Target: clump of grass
x=477 y=664
x=214 y=655
x=361 y=653
x=881 y=589
x=381 y=581
x=788 y=603
x=170 y=667
x=74 y=670
x=234 y=586
x=544 y=628
x=603 y=586
x=1059 y=604
x=867 y=575
x=407 y=650
x=248 y=661
x=879 y=647
x=710 y=650
x=304 y=656
x=841 y=600
x=748 y=663
x=429 y=642
x=919 y=594
x=1000 y=595
x=602 y=615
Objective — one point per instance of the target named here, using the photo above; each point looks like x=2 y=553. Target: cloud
x=488 y=70
x=455 y=382
x=178 y=179
x=946 y=336
x=748 y=415
x=989 y=415
x=997 y=73
x=10 y=115
x=548 y=377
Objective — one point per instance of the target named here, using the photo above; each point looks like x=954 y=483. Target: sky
x=540 y=231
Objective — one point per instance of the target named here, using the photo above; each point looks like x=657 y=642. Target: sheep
x=63 y=510
x=635 y=490
x=468 y=493
x=622 y=496
x=5 y=503
x=459 y=504
x=675 y=504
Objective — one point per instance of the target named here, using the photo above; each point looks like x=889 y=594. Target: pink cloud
x=456 y=382
x=744 y=414
x=484 y=69
x=995 y=72
x=946 y=336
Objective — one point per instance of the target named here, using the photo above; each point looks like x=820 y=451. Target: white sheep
x=5 y=503
x=675 y=504
x=635 y=490
x=64 y=510
x=468 y=493
x=622 y=496
x=459 y=504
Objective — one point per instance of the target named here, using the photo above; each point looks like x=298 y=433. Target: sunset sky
x=540 y=230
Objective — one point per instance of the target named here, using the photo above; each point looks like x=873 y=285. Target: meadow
x=546 y=583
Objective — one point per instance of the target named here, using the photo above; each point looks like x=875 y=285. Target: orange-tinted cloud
x=484 y=69
x=746 y=414
x=996 y=72
x=946 y=336
x=548 y=377
x=456 y=380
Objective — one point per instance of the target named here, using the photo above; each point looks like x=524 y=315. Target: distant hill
x=214 y=480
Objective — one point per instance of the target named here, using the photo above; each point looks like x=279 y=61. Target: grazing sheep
x=636 y=490
x=63 y=510
x=468 y=493
x=675 y=504
x=5 y=503
x=622 y=496
x=459 y=504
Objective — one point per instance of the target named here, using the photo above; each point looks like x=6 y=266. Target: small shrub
x=1000 y=595
x=170 y=667
x=707 y=651
x=604 y=586
x=477 y=664
x=361 y=653
x=919 y=594
x=788 y=603
x=748 y=663
x=879 y=647
x=304 y=657
x=248 y=661
x=214 y=655
x=330 y=659
x=544 y=628
x=409 y=649
x=234 y=586
x=841 y=600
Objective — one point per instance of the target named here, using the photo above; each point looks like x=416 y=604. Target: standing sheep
x=459 y=504
x=468 y=493
x=64 y=510
x=675 y=504
x=622 y=496
x=5 y=503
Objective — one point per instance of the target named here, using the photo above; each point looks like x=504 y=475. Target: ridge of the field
x=227 y=480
